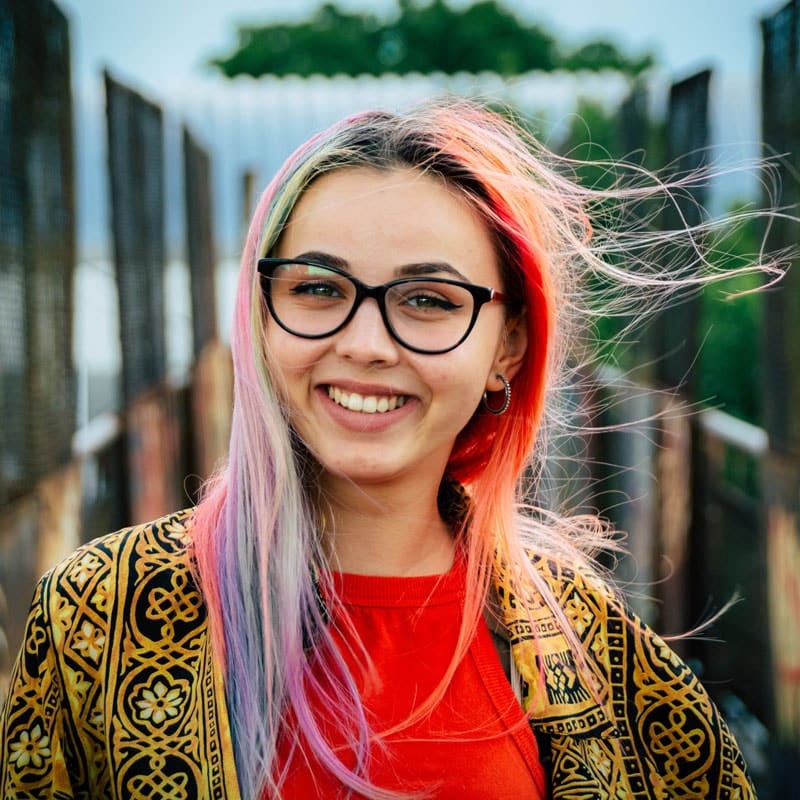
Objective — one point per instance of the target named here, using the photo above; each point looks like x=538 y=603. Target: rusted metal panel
x=105 y=503
x=784 y=606
x=19 y=526
x=782 y=520
x=153 y=438
x=673 y=464
x=36 y=532
x=212 y=405
x=59 y=498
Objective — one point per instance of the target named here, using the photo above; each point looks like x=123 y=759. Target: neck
x=386 y=530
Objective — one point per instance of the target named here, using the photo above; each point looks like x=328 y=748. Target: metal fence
x=136 y=171
x=781 y=130
x=781 y=473
x=37 y=246
x=200 y=241
x=687 y=141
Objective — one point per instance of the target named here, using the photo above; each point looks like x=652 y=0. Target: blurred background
x=134 y=141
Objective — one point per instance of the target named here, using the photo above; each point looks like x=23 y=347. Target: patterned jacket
x=116 y=694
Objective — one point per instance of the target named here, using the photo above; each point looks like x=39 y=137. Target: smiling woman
x=365 y=603
x=422 y=340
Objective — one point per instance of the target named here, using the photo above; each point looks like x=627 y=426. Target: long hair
x=256 y=543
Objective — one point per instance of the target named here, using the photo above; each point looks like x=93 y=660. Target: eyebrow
x=406 y=271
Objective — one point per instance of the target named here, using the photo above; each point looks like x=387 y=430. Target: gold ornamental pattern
x=115 y=693
x=637 y=723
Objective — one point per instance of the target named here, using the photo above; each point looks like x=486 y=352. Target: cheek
x=291 y=362
x=292 y=355
x=461 y=385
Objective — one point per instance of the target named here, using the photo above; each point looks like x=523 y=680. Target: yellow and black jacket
x=116 y=694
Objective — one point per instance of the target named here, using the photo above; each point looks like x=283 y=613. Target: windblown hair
x=256 y=542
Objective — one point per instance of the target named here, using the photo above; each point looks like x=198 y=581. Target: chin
x=369 y=475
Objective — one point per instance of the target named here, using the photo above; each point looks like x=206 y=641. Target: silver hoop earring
x=506 y=399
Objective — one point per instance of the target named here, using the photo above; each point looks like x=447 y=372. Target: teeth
x=371 y=404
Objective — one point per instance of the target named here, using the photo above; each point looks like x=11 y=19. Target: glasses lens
x=310 y=300
x=429 y=315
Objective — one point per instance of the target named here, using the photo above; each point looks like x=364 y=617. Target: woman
x=362 y=604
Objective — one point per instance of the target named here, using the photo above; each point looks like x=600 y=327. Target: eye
x=424 y=300
x=428 y=298
x=324 y=289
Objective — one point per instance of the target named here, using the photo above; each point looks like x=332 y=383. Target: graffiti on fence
x=153 y=457
x=784 y=601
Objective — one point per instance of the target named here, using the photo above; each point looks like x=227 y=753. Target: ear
x=510 y=352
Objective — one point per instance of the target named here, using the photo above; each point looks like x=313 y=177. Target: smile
x=369 y=404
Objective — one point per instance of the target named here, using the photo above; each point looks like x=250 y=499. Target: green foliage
x=591 y=142
x=731 y=360
x=422 y=37
x=603 y=54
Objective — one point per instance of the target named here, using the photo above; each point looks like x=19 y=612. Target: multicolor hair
x=256 y=534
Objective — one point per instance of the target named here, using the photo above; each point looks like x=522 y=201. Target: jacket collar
x=560 y=695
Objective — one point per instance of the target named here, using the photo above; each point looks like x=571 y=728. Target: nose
x=365 y=338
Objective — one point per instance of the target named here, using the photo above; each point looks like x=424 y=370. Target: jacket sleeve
x=686 y=746
x=34 y=723
x=669 y=739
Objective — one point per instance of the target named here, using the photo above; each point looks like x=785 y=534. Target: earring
x=506 y=399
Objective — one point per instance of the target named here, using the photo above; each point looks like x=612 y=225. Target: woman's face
x=368 y=408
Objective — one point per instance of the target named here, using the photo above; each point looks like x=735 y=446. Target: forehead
x=373 y=217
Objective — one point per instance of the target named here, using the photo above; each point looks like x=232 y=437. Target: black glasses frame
x=480 y=295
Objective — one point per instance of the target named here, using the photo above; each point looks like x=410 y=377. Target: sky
x=154 y=43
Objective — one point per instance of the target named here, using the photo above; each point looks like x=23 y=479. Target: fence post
x=673 y=344
x=781 y=398
x=687 y=141
x=200 y=241
x=212 y=379
x=136 y=172
x=152 y=423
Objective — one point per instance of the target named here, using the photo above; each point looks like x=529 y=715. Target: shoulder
x=590 y=602
x=611 y=634
x=649 y=690
x=93 y=585
x=114 y=646
x=163 y=540
x=564 y=578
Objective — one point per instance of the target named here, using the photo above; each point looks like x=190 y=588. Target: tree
x=429 y=37
x=603 y=54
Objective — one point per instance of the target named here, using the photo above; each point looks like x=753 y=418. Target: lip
x=358 y=421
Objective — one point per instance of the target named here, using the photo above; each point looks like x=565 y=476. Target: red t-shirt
x=474 y=745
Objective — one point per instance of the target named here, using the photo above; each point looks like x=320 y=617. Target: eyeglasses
x=425 y=315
